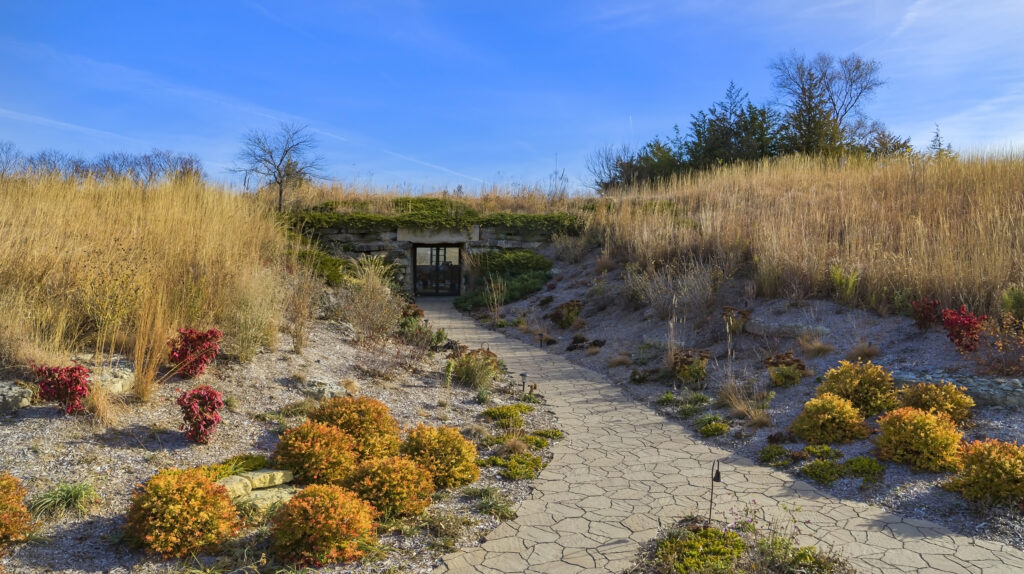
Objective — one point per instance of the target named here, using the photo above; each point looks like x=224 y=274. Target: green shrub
x=365 y=419
x=866 y=468
x=523 y=272
x=414 y=332
x=492 y=502
x=317 y=453
x=869 y=387
x=944 y=398
x=823 y=451
x=542 y=224
x=823 y=471
x=666 y=400
x=395 y=486
x=181 y=512
x=1012 y=301
x=829 y=419
x=333 y=270
x=992 y=471
x=15 y=520
x=237 y=465
x=711 y=425
x=785 y=370
x=691 y=367
x=779 y=554
x=322 y=524
x=566 y=314
x=477 y=369
x=508 y=416
x=75 y=498
x=700 y=550
x=450 y=458
x=552 y=434
x=775 y=455
x=508 y=262
x=523 y=466
x=785 y=375
x=534 y=441
x=926 y=441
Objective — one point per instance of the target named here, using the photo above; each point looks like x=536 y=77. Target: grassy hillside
x=883 y=233
x=87 y=264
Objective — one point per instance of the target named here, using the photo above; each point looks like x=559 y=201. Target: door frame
x=457 y=276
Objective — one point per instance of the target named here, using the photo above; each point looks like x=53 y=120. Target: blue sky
x=432 y=94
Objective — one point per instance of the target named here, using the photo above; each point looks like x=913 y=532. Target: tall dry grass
x=83 y=263
x=903 y=228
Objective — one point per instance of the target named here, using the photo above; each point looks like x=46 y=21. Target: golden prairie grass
x=898 y=229
x=90 y=265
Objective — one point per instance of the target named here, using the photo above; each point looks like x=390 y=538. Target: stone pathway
x=624 y=471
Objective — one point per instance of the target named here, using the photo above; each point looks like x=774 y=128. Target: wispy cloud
x=995 y=121
x=144 y=84
x=52 y=123
x=431 y=165
x=273 y=17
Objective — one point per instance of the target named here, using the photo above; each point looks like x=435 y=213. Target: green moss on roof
x=426 y=213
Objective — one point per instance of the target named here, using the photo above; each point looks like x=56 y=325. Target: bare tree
x=279 y=159
x=10 y=158
x=58 y=162
x=842 y=84
x=605 y=165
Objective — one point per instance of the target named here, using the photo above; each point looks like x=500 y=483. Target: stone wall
x=397 y=244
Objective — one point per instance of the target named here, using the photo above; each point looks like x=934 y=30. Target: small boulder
x=237 y=486
x=13 y=396
x=265 y=499
x=267 y=478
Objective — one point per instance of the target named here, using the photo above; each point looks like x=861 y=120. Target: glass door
x=437 y=270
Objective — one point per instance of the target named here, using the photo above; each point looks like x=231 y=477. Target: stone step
x=241 y=486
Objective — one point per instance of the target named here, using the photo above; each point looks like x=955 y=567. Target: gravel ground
x=625 y=327
x=43 y=448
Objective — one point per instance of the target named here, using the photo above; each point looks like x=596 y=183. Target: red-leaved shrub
x=963 y=328
x=192 y=351
x=200 y=407
x=66 y=385
x=926 y=313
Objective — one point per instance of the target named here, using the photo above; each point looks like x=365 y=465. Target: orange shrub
x=829 y=419
x=926 y=441
x=15 y=521
x=944 y=398
x=395 y=486
x=181 y=512
x=992 y=471
x=316 y=453
x=322 y=524
x=449 y=457
x=366 y=419
x=868 y=386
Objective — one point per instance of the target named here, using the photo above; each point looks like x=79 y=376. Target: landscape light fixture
x=716 y=476
x=523 y=375
x=426 y=323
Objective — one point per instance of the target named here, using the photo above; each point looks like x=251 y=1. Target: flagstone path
x=624 y=471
